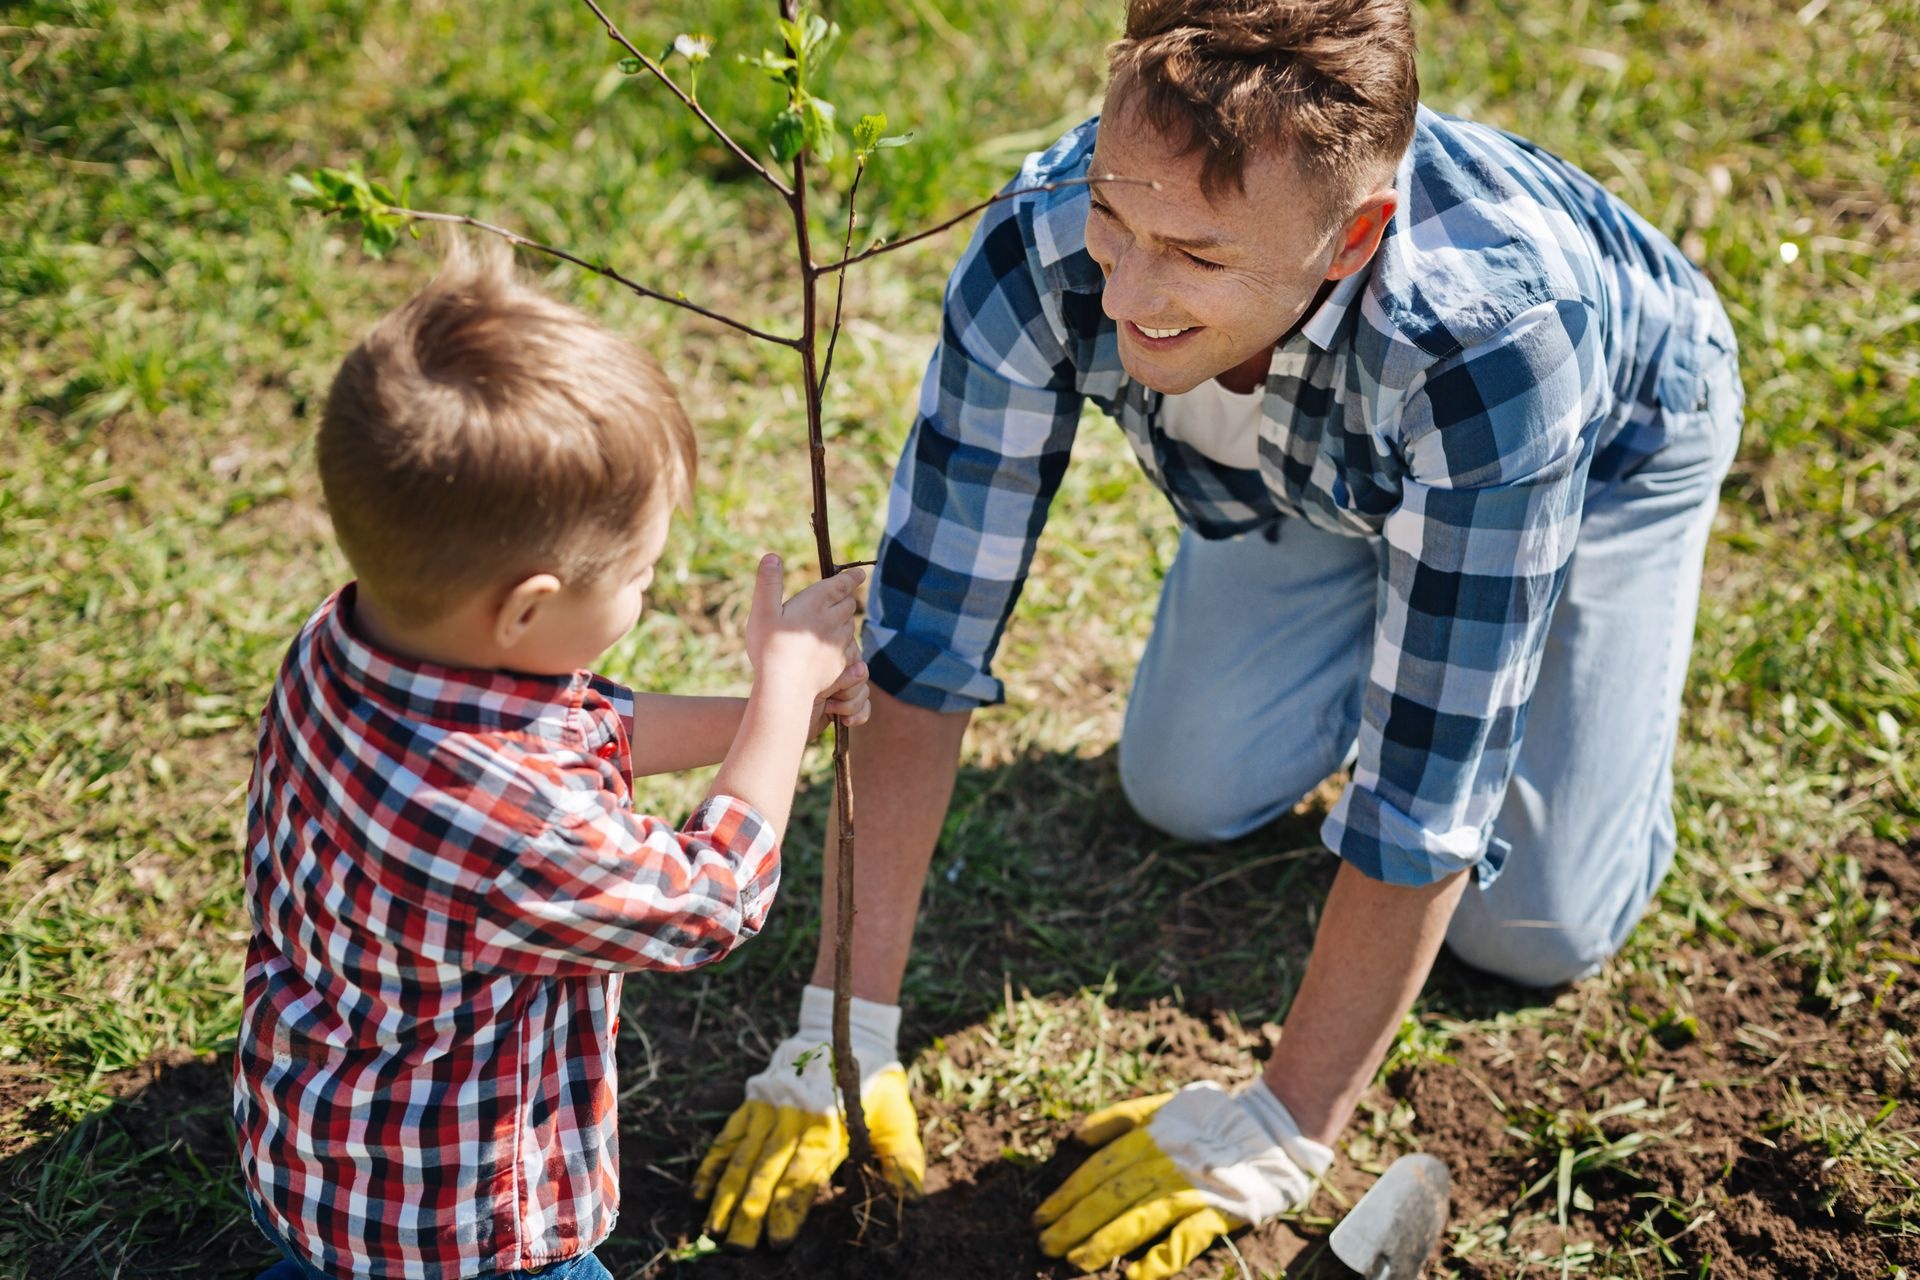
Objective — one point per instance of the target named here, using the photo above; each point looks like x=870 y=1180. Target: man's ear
x=516 y=613
x=1354 y=243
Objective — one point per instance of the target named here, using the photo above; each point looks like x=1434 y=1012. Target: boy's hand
x=807 y=639
x=848 y=700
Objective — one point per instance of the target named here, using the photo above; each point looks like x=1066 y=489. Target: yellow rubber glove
x=1194 y=1165
x=781 y=1146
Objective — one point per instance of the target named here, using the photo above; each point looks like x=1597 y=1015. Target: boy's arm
x=671 y=732
x=763 y=763
x=601 y=889
x=598 y=888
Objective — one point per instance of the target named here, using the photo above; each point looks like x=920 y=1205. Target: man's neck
x=1251 y=372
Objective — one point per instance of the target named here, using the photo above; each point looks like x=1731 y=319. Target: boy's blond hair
x=484 y=431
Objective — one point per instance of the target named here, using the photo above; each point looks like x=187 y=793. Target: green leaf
x=795 y=36
x=897 y=140
x=777 y=67
x=822 y=49
x=632 y=66
x=377 y=235
x=867 y=131
x=817 y=116
x=787 y=135
x=303 y=185
x=335 y=185
x=819 y=34
x=1564 y=1195
x=701 y=1248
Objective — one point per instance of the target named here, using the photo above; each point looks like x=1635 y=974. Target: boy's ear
x=522 y=605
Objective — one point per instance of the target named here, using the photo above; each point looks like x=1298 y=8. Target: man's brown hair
x=1331 y=83
x=484 y=430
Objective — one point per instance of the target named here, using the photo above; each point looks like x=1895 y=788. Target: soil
x=1725 y=1183
x=1731 y=1191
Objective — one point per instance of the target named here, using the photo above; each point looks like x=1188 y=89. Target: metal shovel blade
x=1397 y=1224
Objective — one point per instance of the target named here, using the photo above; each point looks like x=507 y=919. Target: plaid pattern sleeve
x=998 y=411
x=1475 y=555
x=446 y=877
x=609 y=890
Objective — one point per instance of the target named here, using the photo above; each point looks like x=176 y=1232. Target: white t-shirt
x=1223 y=424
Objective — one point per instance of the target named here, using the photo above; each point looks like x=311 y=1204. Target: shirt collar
x=1323 y=327
x=457 y=698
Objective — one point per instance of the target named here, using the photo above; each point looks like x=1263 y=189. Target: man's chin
x=1168 y=382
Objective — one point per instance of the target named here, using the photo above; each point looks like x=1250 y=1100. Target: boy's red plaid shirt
x=446 y=879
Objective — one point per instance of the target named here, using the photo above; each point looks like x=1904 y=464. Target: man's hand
x=783 y=1143
x=1195 y=1164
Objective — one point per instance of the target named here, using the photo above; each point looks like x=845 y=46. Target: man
x=1445 y=424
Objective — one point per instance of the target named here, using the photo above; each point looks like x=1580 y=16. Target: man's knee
x=1193 y=797
x=1170 y=800
x=1540 y=940
x=1531 y=955
x=1547 y=922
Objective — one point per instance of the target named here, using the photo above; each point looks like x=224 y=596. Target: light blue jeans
x=1248 y=695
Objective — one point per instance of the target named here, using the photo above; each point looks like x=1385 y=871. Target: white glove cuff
x=1312 y=1157
x=873 y=1028
x=1223 y=1145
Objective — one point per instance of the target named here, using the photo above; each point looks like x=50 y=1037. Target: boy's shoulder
x=436 y=772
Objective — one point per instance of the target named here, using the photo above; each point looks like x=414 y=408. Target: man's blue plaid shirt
x=1520 y=339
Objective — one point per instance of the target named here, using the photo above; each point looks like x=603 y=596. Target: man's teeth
x=1163 y=333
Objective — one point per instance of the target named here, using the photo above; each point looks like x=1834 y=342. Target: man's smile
x=1159 y=339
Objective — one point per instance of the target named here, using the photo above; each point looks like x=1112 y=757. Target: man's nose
x=1134 y=290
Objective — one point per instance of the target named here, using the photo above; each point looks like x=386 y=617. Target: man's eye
x=1203 y=263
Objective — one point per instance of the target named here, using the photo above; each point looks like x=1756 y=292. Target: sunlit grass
x=170 y=323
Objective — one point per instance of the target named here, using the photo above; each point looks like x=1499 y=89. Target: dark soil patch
x=1723 y=1180
x=981 y=1193
x=1759 y=1200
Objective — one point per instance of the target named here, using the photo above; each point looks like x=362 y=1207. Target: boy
x=445 y=872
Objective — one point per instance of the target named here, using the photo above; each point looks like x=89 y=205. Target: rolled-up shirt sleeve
x=997 y=414
x=607 y=890
x=1497 y=446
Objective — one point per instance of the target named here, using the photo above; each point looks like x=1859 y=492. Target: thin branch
x=845 y=1070
x=964 y=214
x=840 y=286
x=613 y=33
x=514 y=237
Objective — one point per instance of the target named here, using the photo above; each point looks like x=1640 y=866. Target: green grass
x=171 y=321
